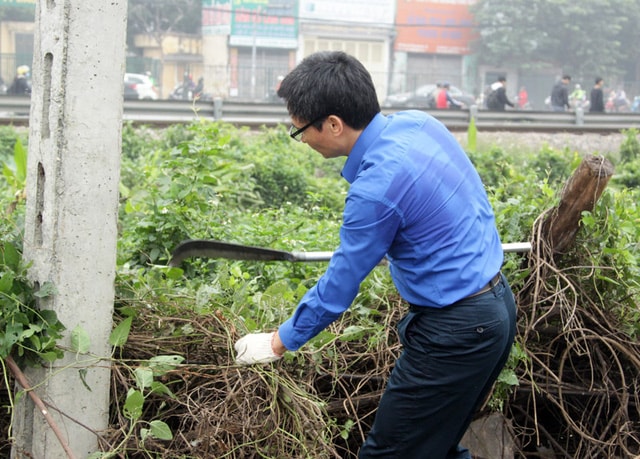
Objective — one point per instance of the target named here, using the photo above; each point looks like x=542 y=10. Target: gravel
x=595 y=144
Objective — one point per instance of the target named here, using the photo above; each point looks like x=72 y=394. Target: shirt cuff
x=288 y=336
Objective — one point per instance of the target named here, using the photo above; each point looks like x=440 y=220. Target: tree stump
x=555 y=230
x=581 y=192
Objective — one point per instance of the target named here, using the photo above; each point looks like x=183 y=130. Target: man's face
x=321 y=140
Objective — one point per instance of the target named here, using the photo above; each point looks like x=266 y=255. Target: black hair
x=566 y=77
x=502 y=78
x=330 y=83
x=598 y=80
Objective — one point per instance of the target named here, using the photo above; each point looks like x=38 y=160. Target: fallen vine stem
x=22 y=380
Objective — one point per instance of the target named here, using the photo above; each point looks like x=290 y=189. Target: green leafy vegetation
x=176 y=391
x=27 y=334
x=629 y=174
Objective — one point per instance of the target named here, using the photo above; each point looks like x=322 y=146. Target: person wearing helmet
x=578 y=97
x=21 y=86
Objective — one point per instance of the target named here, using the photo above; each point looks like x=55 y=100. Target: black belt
x=492 y=283
x=495 y=280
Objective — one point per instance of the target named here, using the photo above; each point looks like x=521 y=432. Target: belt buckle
x=495 y=280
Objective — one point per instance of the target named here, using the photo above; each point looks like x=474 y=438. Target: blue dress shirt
x=416 y=198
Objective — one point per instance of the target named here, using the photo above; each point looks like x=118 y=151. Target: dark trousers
x=450 y=360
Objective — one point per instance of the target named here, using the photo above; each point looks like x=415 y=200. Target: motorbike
x=182 y=93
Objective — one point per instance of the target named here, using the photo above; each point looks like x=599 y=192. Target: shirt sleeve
x=367 y=231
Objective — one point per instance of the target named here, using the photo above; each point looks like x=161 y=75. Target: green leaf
x=50 y=318
x=80 y=340
x=144 y=433
x=6 y=282
x=31 y=330
x=11 y=336
x=160 y=430
x=174 y=273
x=51 y=356
x=20 y=158
x=144 y=377
x=10 y=256
x=322 y=338
x=163 y=363
x=344 y=432
x=132 y=408
x=35 y=341
x=120 y=334
x=158 y=388
x=509 y=377
x=47 y=289
x=352 y=333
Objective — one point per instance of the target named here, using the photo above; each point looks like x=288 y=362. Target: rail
x=14 y=110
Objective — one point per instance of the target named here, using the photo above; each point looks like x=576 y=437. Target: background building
x=240 y=48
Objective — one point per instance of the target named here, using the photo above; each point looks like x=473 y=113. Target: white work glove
x=255 y=348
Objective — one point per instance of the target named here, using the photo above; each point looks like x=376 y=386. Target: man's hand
x=255 y=348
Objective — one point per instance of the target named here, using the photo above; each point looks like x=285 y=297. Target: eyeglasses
x=296 y=134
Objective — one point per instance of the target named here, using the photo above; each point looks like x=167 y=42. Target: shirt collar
x=369 y=134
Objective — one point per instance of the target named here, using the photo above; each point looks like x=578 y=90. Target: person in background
x=433 y=96
x=596 y=98
x=197 y=91
x=620 y=101
x=578 y=96
x=20 y=85
x=272 y=95
x=523 y=98
x=560 y=95
x=415 y=199
x=498 y=97
x=150 y=76
x=444 y=99
x=188 y=86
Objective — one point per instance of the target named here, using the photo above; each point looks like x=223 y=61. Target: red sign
x=434 y=27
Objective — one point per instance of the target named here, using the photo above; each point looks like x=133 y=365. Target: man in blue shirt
x=416 y=199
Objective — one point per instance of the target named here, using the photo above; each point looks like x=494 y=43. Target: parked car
x=141 y=84
x=130 y=92
x=420 y=98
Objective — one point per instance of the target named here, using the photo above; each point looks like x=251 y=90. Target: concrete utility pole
x=75 y=130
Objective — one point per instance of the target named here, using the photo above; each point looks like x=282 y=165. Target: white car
x=142 y=85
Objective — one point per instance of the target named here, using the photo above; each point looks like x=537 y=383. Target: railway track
x=160 y=113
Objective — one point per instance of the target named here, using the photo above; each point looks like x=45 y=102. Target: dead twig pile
x=579 y=395
x=314 y=405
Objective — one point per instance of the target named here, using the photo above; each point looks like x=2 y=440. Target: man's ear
x=335 y=125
